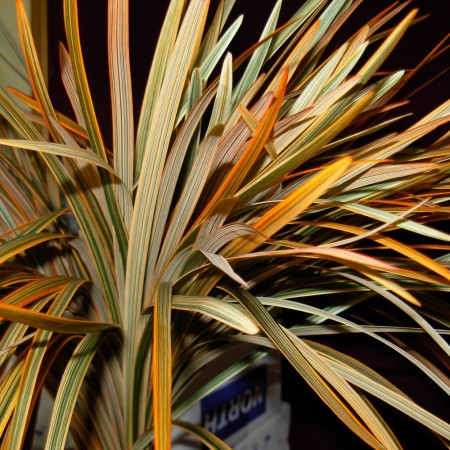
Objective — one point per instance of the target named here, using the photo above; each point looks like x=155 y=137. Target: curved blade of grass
x=290 y=207
x=121 y=97
x=318 y=330
x=31 y=369
x=34 y=290
x=389 y=284
x=68 y=79
x=92 y=127
x=216 y=53
x=390 y=396
x=12 y=277
x=9 y=392
x=317 y=374
x=246 y=162
x=19 y=244
x=222 y=106
x=411 y=312
x=357 y=261
x=41 y=224
x=68 y=151
x=217 y=239
x=69 y=389
x=165 y=46
x=380 y=174
x=387 y=148
x=317 y=82
x=354 y=327
x=216 y=219
x=162 y=368
x=385 y=216
x=89 y=219
x=191 y=193
x=217 y=309
x=45 y=321
x=65 y=121
x=281 y=166
x=223 y=265
x=348 y=256
x=35 y=73
x=385 y=49
x=404 y=249
x=204 y=436
x=172 y=171
x=258 y=58
x=304 y=14
x=155 y=148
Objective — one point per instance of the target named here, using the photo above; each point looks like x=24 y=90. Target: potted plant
x=237 y=197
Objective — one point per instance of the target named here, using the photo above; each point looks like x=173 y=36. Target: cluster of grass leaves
x=233 y=200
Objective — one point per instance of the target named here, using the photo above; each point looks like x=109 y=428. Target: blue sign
x=228 y=409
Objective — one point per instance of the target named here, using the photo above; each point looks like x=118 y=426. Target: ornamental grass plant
x=231 y=201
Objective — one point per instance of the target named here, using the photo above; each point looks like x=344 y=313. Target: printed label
x=235 y=405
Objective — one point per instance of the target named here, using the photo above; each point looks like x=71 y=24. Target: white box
x=246 y=412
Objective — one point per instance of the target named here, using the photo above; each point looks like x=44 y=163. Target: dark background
x=313 y=425
x=146 y=18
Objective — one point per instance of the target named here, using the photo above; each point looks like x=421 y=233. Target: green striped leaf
x=68 y=391
x=17 y=245
x=48 y=322
x=216 y=309
x=67 y=151
x=317 y=374
x=30 y=372
x=162 y=363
